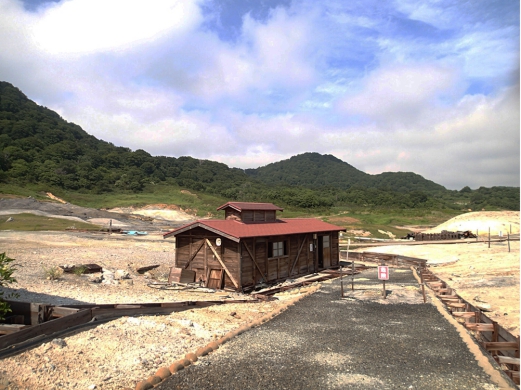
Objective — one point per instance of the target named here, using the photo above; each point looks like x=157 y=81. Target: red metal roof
x=235 y=230
x=240 y=206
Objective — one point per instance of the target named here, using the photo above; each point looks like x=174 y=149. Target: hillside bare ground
x=479 y=274
x=481 y=221
x=152 y=218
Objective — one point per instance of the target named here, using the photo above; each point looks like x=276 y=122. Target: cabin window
x=277 y=249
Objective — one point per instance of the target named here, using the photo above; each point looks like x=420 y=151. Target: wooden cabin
x=251 y=247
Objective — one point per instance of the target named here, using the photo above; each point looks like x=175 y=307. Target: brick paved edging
x=191 y=357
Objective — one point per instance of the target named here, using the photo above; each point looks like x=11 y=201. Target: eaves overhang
x=194 y=225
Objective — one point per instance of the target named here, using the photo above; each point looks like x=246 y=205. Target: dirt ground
x=151 y=218
x=481 y=221
x=121 y=352
x=481 y=275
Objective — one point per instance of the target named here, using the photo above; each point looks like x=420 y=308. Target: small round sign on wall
x=218 y=242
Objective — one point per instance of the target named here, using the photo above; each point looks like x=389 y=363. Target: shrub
x=6 y=277
x=79 y=270
x=53 y=272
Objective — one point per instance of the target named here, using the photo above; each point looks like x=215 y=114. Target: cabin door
x=324 y=252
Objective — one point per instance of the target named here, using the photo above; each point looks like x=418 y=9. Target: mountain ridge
x=38 y=146
x=315 y=170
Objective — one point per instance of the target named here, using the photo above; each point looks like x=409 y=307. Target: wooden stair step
x=449 y=298
x=480 y=327
x=501 y=345
x=456 y=305
x=464 y=314
x=507 y=360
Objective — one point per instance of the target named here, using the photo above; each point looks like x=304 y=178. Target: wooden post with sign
x=383 y=274
x=341 y=280
x=353 y=275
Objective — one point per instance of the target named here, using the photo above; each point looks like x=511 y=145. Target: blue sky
x=430 y=87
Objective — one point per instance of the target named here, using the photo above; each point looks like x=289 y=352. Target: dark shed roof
x=235 y=230
x=241 y=206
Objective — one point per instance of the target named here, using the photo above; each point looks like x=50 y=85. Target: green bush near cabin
x=6 y=277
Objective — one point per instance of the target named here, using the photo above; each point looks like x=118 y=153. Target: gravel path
x=325 y=342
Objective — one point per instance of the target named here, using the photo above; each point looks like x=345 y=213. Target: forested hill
x=314 y=170
x=38 y=147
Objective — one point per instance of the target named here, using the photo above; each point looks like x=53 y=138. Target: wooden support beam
x=255 y=262
x=193 y=255
x=298 y=255
x=38 y=313
x=46 y=328
x=58 y=312
x=514 y=375
x=222 y=263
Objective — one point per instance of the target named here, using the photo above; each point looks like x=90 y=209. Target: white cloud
x=269 y=58
x=90 y=26
x=283 y=47
x=475 y=142
x=325 y=77
x=401 y=94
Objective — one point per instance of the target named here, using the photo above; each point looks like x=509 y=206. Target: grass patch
x=393 y=221
x=53 y=273
x=190 y=201
x=31 y=222
x=79 y=270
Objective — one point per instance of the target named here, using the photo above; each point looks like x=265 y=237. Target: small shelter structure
x=252 y=247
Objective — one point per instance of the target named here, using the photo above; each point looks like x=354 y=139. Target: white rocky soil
x=122 y=352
